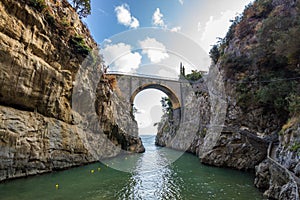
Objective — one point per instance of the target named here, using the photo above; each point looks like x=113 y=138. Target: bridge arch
x=176 y=106
x=168 y=91
x=131 y=84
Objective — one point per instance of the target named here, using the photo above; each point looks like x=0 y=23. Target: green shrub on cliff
x=265 y=64
x=274 y=95
x=236 y=63
x=79 y=45
x=289 y=44
x=194 y=76
x=294 y=104
x=295 y=147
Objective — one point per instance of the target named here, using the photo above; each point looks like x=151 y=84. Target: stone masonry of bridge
x=175 y=89
x=182 y=94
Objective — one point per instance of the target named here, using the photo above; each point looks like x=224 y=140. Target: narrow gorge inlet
x=152 y=177
x=216 y=84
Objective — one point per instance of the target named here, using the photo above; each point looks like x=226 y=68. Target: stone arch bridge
x=176 y=89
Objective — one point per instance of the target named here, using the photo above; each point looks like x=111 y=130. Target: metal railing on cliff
x=292 y=176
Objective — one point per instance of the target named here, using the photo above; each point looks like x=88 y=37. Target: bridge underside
x=131 y=85
x=165 y=89
x=174 y=100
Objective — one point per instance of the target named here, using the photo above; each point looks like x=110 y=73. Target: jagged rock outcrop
x=260 y=67
x=279 y=175
x=258 y=62
x=177 y=135
x=56 y=108
x=236 y=150
x=228 y=146
x=32 y=143
x=288 y=151
x=117 y=121
x=275 y=181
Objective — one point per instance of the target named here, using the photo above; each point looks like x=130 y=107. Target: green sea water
x=151 y=175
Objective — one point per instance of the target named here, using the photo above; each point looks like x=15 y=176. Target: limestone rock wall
x=258 y=64
x=279 y=175
x=214 y=143
x=117 y=121
x=179 y=135
x=31 y=143
x=276 y=180
x=55 y=109
x=288 y=151
x=38 y=63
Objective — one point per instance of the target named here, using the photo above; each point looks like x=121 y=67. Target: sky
x=153 y=36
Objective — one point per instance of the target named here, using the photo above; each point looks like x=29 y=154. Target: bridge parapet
x=176 y=89
x=131 y=85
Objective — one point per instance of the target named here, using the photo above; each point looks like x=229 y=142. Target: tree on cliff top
x=82 y=7
x=194 y=76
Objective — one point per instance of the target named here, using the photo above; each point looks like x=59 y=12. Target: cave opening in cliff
x=148 y=110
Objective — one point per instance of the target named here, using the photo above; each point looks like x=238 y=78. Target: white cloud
x=176 y=29
x=124 y=16
x=129 y=62
x=157 y=18
x=106 y=41
x=121 y=57
x=216 y=28
x=181 y=2
x=155 y=50
x=134 y=23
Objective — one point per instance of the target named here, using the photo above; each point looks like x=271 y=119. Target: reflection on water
x=153 y=159
x=151 y=178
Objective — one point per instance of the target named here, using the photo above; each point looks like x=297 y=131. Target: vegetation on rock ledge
x=194 y=76
x=80 y=46
x=264 y=66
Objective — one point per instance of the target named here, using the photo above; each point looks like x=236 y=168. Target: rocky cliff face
x=213 y=142
x=117 y=121
x=278 y=175
x=288 y=151
x=56 y=108
x=258 y=62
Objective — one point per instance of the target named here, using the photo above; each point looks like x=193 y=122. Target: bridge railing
x=142 y=75
x=150 y=76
